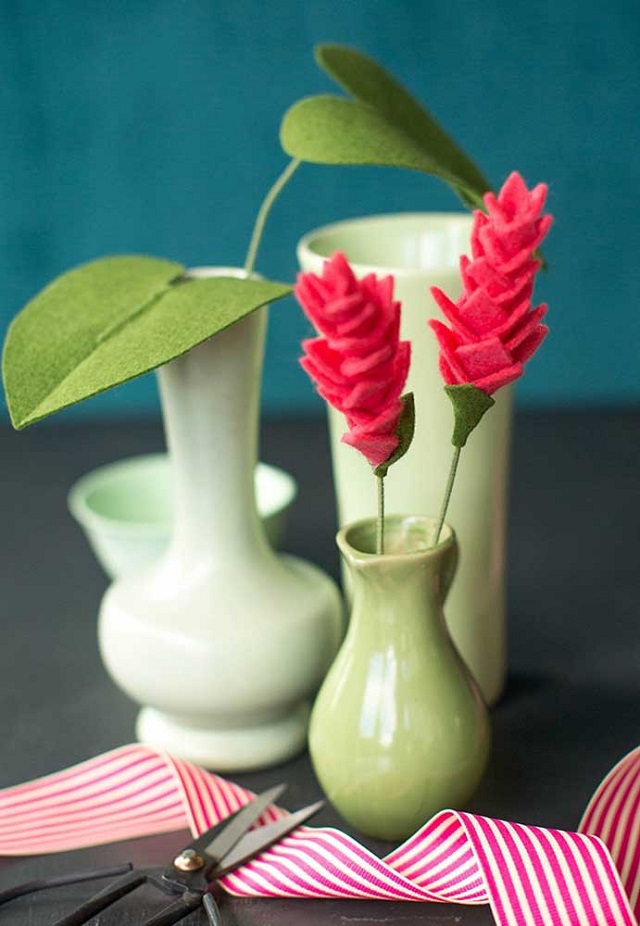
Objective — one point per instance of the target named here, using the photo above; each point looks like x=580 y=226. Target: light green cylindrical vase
x=399 y=729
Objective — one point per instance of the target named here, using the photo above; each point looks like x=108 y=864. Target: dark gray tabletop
x=569 y=713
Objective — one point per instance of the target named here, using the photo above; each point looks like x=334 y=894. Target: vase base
x=227 y=750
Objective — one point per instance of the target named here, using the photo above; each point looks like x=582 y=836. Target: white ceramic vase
x=423 y=250
x=222 y=641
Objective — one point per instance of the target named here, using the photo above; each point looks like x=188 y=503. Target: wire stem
x=380 y=522
x=447 y=493
x=264 y=211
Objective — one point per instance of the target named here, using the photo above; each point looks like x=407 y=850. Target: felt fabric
x=493 y=329
x=358 y=363
x=469 y=406
x=111 y=320
x=404 y=432
x=383 y=124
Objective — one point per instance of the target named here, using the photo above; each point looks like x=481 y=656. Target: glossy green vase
x=399 y=729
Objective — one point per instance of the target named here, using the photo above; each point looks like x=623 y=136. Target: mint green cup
x=126 y=512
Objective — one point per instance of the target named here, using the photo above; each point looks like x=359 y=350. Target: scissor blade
x=238 y=824
x=257 y=840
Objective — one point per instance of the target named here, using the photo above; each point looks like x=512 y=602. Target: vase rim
x=203 y=272
x=403 y=526
x=420 y=223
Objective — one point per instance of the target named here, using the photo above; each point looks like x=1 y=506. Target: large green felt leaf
x=382 y=125
x=110 y=321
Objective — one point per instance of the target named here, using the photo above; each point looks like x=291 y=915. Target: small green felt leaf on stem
x=382 y=125
x=404 y=432
x=111 y=320
x=469 y=405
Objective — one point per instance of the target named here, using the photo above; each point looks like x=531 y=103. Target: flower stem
x=447 y=493
x=380 y=522
x=264 y=211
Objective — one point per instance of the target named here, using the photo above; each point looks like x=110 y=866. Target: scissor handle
x=103 y=899
x=176 y=910
x=76 y=877
x=212 y=910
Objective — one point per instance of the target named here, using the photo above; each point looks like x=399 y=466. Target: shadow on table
x=553 y=742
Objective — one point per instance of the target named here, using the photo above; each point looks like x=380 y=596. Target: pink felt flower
x=358 y=363
x=493 y=327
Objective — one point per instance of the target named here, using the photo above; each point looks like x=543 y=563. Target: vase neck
x=210 y=400
x=402 y=591
x=406 y=597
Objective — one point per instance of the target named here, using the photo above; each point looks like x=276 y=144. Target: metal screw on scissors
x=192 y=873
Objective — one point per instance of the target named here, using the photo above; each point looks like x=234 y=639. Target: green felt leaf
x=382 y=125
x=110 y=321
x=469 y=405
x=404 y=432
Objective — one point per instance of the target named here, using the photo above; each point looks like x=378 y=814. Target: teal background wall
x=151 y=126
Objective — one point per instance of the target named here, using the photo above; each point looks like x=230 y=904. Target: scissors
x=192 y=874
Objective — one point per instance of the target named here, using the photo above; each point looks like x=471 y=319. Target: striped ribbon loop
x=528 y=875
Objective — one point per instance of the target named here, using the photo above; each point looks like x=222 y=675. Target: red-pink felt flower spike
x=493 y=329
x=358 y=362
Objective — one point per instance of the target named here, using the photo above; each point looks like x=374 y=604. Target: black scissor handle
x=175 y=911
x=103 y=899
x=41 y=884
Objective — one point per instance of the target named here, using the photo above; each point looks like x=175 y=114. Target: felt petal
x=311 y=291
x=376 y=392
x=379 y=289
x=367 y=394
x=384 y=427
x=380 y=330
x=480 y=222
x=483 y=358
x=447 y=373
x=322 y=383
x=352 y=314
x=450 y=311
x=447 y=339
x=480 y=314
x=494 y=381
x=529 y=323
x=449 y=344
x=338 y=273
x=381 y=418
x=377 y=449
x=513 y=197
x=531 y=344
x=538 y=197
x=361 y=365
x=491 y=246
x=402 y=364
x=518 y=291
x=481 y=273
x=328 y=316
x=516 y=315
x=321 y=362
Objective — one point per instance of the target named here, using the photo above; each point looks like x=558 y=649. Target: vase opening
x=205 y=273
x=406 y=242
x=403 y=535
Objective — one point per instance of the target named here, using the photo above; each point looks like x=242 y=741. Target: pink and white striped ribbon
x=529 y=875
